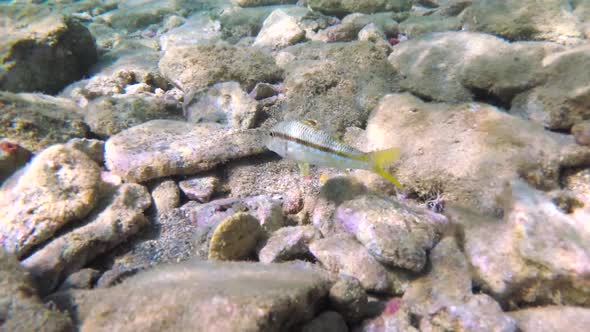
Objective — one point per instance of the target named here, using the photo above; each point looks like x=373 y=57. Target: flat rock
x=342 y=254
x=396 y=234
x=539 y=254
x=109 y=116
x=485 y=148
x=160 y=148
x=192 y=68
x=358 y=6
x=224 y=103
x=552 y=319
x=59 y=186
x=121 y=217
x=44 y=55
x=20 y=306
x=288 y=243
x=36 y=121
x=199 y=28
x=198 y=295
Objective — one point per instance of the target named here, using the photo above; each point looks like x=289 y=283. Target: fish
x=305 y=143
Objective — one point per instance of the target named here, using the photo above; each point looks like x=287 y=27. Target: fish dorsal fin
x=310 y=122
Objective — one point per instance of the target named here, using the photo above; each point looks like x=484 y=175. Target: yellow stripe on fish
x=302 y=142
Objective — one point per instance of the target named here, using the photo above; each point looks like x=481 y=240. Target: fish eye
x=271 y=134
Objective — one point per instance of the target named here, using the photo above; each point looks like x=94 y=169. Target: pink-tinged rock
x=537 y=253
x=199 y=188
x=396 y=234
x=288 y=243
x=343 y=254
x=552 y=319
x=162 y=148
x=59 y=186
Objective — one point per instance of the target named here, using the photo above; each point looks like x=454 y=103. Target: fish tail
x=383 y=158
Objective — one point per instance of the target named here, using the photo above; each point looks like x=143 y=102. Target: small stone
x=327 y=321
x=199 y=188
x=581 y=132
x=36 y=203
x=288 y=243
x=394 y=233
x=348 y=297
x=225 y=103
x=235 y=238
x=342 y=254
x=93 y=148
x=166 y=196
x=121 y=218
x=263 y=90
x=83 y=279
x=279 y=30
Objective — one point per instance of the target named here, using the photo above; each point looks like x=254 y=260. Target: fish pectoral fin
x=303 y=169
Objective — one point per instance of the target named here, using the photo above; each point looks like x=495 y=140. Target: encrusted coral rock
x=394 y=233
x=59 y=186
x=469 y=150
x=195 y=67
x=121 y=217
x=235 y=238
x=552 y=319
x=224 y=103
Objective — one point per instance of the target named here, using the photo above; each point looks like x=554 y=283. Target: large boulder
x=466 y=152
x=465 y=66
x=44 y=55
x=538 y=254
x=198 y=295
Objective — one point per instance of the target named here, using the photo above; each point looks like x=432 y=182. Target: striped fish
x=303 y=142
